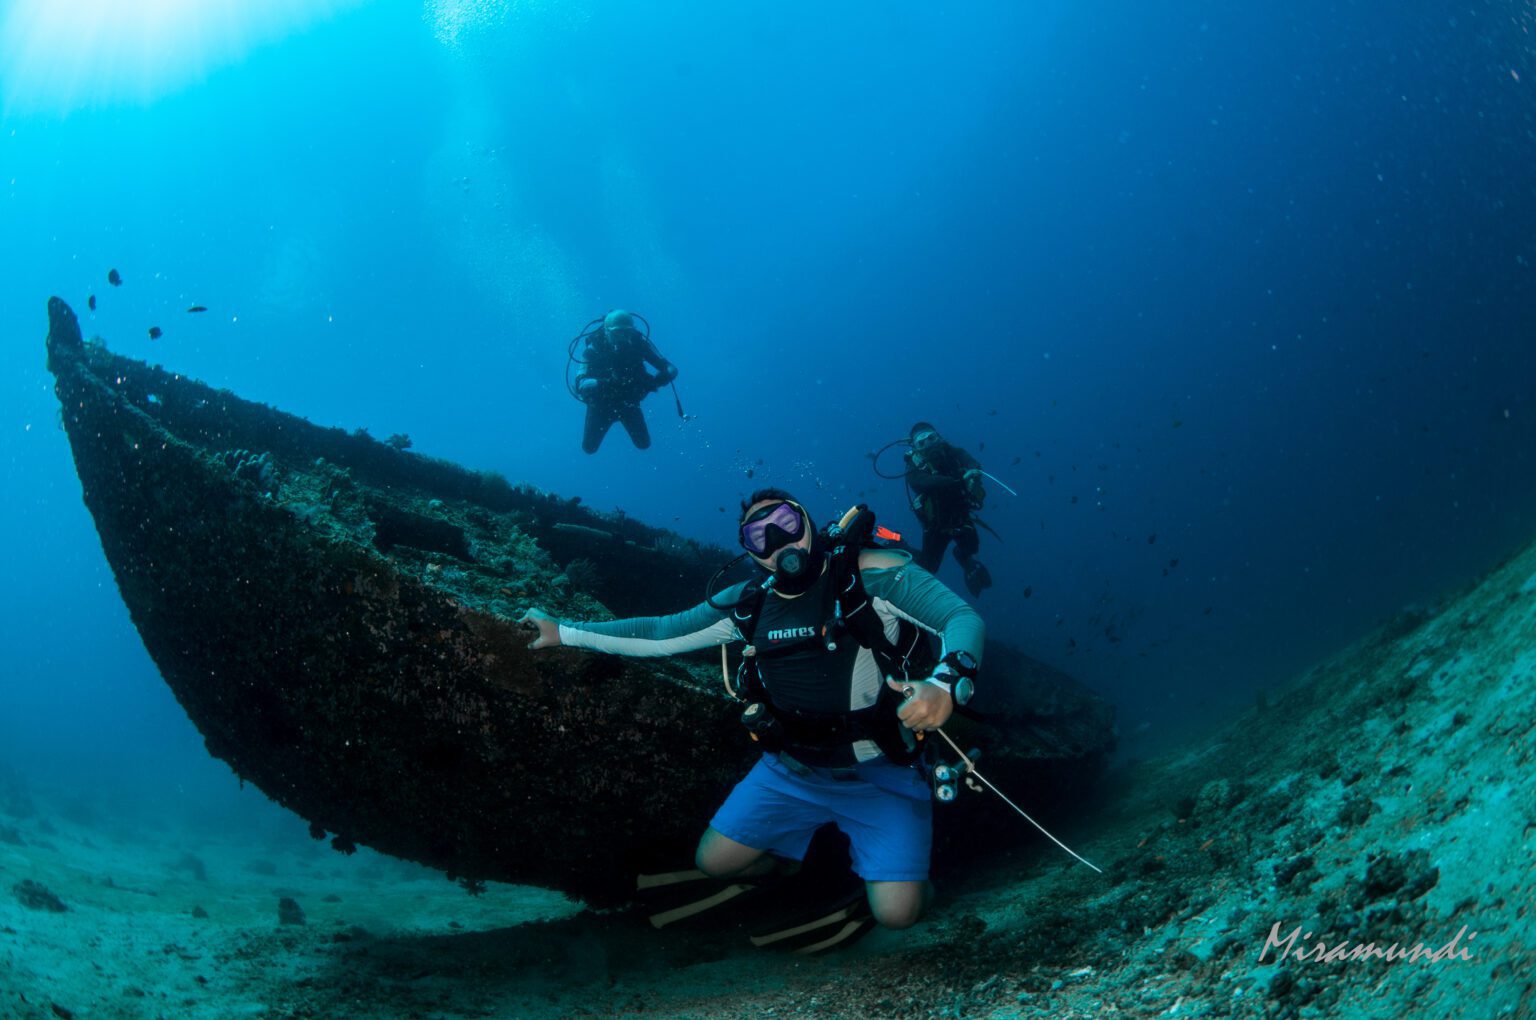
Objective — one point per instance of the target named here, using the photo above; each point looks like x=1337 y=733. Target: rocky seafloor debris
x=1385 y=801
x=36 y=896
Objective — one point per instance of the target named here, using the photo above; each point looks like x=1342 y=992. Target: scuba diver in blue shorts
x=840 y=681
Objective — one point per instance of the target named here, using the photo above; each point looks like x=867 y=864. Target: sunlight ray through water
x=59 y=56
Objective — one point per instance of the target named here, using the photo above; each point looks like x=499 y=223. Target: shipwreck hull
x=337 y=618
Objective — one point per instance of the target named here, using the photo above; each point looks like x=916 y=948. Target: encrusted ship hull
x=337 y=617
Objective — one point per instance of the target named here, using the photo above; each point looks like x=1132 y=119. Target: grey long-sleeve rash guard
x=898 y=589
x=901 y=590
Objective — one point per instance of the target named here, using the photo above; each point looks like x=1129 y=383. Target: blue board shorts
x=886 y=813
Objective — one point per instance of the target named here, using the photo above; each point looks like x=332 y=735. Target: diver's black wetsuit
x=944 y=500
x=613 y=383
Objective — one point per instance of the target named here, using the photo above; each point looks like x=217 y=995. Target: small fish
x=1015 y=461
x=115 y=278
x=155 y=333
x=198 y=308
x=1172 y=563
x=750 y=472
x=981 y=446
x=1152 y=538
x=1074 y=499
x=91 y=302
x=1178 y=422
x=1028 y=591
x=720 y=508
x=1207 y=611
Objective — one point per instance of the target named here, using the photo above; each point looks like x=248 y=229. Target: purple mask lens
x=784 y=518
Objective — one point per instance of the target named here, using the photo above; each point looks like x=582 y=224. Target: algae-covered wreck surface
x=337 y=617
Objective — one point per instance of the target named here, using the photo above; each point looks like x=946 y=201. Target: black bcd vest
x=848 y=613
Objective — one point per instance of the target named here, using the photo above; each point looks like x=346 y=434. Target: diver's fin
x=673 y=896
x=690 y=898
x=647 y=882
x=829 y=926
x=712 y=899
x=851 y=931
x=977 y=578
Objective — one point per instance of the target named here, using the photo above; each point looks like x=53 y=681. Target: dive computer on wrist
x=961 y=666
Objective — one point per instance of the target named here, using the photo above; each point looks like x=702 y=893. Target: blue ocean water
x=1248 y=288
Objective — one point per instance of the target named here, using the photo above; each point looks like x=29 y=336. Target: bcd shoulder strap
x=855 y=611
x=749 y=609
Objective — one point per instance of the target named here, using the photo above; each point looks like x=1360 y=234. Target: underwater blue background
x=1255 y=280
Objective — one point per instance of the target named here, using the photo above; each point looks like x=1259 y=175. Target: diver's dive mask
x=770 y=528
x=925 y=440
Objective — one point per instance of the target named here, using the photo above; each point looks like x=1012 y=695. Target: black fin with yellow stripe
x=674 y=897
x=830 y=926
x=811 y=907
